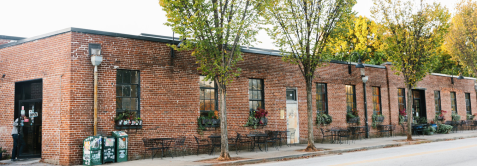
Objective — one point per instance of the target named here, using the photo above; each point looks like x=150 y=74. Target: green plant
x=119 y=117
x=455 y=117
x=429 y=130
x=402 y=119
x=375 y=119
x=323 y=119
x=139 y=118
x=443 y=128
x=422 y=120
x=470 y=117
x=199 y=122
x=2 y=151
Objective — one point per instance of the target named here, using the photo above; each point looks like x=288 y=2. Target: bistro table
x=385 y=129
x=256 y=138
x=357 y=130
x=165 y=144
x=335 y=134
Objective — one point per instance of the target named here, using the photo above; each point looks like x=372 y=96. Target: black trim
x=11 y=37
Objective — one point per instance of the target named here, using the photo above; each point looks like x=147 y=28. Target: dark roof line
x=11 y=37
x=155 y=38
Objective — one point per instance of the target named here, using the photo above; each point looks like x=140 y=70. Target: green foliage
x=375 y=121
x=443 y=128
x=252 y=121
x=429 y=130
x=412 y=37
x=455 y=117
x=199 y=122
x=2 y=151
x=421 y=120
x=323 y=119
x=470 y=117
x=402 y=119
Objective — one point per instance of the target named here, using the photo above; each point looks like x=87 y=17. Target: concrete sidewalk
x=292 y=152
x=284 y=152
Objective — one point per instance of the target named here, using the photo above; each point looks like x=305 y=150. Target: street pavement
x=446 y=153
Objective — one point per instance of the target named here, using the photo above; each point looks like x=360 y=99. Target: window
x=377 y=100
x=437 y=101
x=321 y=98
x=401 y=99
x=127 y=91
x=255 y=94
x=291 y=94
x=350 y=98
x=208 y=96
x=453 y=103
x=467 y=104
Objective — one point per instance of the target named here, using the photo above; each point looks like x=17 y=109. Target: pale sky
x=29 y=18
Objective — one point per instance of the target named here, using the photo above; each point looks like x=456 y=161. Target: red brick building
x=53 y=73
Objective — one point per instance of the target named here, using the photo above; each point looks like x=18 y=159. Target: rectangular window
x=255 y=94
x=401 y=99
x=453 y=103
x=377 y=100
x=127 y=91
x=467 y=104
x=291 y=94
x=208 y=96
x=350 y=98
x=321 y=98
x=437 y=101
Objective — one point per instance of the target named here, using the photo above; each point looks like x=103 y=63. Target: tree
x=361 y=35
x=215 y=31
x=302 y=29
x=461 y=41
x=413 y=35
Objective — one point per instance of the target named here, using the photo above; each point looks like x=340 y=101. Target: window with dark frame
x=350 y=98
x=401 y=99
x=291 y=94
x=321 y=98
x=453 y=103
x=437 y=101
x=468 y=108
x=208 y=96
x=128 y=91
x=377 y=100
x=255 y=93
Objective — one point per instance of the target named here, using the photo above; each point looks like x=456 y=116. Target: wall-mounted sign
x=282 y=114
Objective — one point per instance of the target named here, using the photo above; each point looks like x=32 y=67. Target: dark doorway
x=28 y=102
x=419 y=103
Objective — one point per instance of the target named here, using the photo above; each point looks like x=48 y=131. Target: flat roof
x=11 y=37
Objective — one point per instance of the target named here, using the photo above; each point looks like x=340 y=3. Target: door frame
x=297 y=130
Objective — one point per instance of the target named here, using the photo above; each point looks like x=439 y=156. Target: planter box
x=211 y=123
x=124 y=127
x=380 y=119
x=353 y=120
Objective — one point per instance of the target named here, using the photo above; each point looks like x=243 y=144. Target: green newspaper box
x=109 y=149
x=121 y=146
x=92 y=150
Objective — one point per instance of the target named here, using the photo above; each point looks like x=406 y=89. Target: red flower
x=402 y=112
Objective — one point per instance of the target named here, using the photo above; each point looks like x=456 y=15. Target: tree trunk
x=409 y=111
x=224 y=147
x=309 y=105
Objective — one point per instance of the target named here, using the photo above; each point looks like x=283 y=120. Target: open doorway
x=418 y=103
x=28 y=104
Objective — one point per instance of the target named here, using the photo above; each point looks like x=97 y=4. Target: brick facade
x=170 y=91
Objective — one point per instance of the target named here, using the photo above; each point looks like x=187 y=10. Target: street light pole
x=365 y=79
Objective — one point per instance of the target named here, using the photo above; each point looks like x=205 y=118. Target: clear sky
x=28 y=18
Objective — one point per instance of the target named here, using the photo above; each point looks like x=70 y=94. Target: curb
x=319 y=153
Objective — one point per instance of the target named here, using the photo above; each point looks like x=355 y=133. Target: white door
x=292 y=117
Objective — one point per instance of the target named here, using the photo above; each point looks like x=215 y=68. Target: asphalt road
x=446 y=153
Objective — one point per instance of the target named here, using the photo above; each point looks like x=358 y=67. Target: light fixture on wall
x=96 y=59
x=360 y=64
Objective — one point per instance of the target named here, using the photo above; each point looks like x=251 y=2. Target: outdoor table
x=163 y=142
x=280 y=136
x=255 y=138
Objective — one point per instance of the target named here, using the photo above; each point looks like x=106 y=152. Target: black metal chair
x=362 y=132
x=261 y=141
x=344 y=133
x=473 y=125
x=272 y=138
x=235 y=142
x=151 y=145
x=245 y=141
x=391 y=130
x=179 y=145
x=200 y=144
x=215 y=144
x=325 y=134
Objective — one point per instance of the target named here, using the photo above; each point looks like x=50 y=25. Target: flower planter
x=211 y=122
x=353 y=120
x=380 y=119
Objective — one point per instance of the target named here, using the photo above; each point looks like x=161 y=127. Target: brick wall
x=170 y=91
x=47 y=59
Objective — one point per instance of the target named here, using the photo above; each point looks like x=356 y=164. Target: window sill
x=122 y=127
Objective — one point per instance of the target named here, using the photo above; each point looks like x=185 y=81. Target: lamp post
x=96 y=59
x=365 y=79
